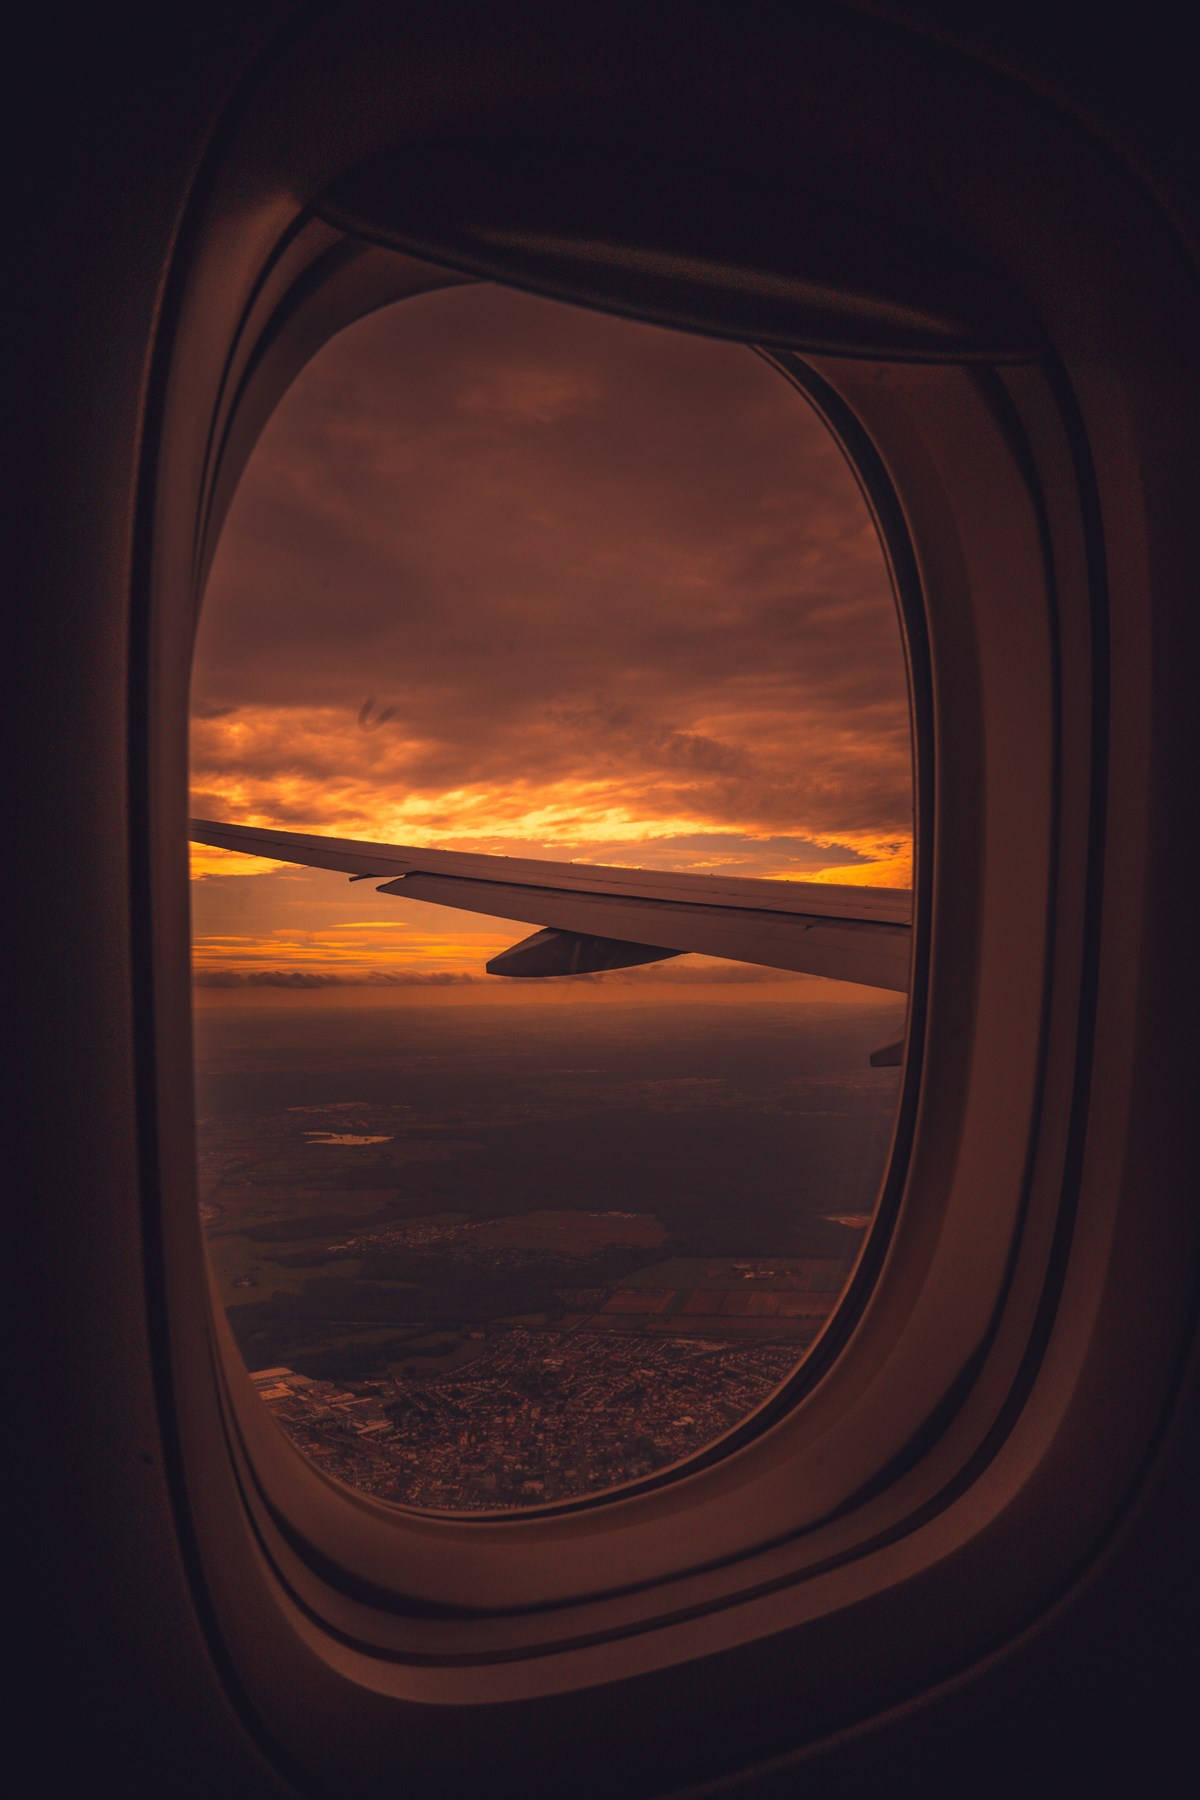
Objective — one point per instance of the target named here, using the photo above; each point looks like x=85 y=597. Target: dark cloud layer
x=509 y=541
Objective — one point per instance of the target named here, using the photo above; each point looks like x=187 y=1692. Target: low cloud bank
x=675 y=974
x=308 y=978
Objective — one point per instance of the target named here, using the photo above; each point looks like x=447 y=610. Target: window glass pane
x=509 y=577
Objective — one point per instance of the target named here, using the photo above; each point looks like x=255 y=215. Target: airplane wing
x=597 y=917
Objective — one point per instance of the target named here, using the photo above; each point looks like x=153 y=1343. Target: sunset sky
x=509 y=576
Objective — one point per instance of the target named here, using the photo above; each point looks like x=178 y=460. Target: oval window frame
x=1037 y=419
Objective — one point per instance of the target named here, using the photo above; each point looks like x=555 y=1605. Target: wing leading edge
x=597 y=917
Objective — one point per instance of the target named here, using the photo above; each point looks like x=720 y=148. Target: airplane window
x=508 y=579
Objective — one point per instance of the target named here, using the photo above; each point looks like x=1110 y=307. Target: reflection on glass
x=511 y=577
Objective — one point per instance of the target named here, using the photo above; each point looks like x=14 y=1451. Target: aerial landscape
x=486 y=1256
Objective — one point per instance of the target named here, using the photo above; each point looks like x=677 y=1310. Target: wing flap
x=553 y=952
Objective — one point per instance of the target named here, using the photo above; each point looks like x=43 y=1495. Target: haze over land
x=494 y=1254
